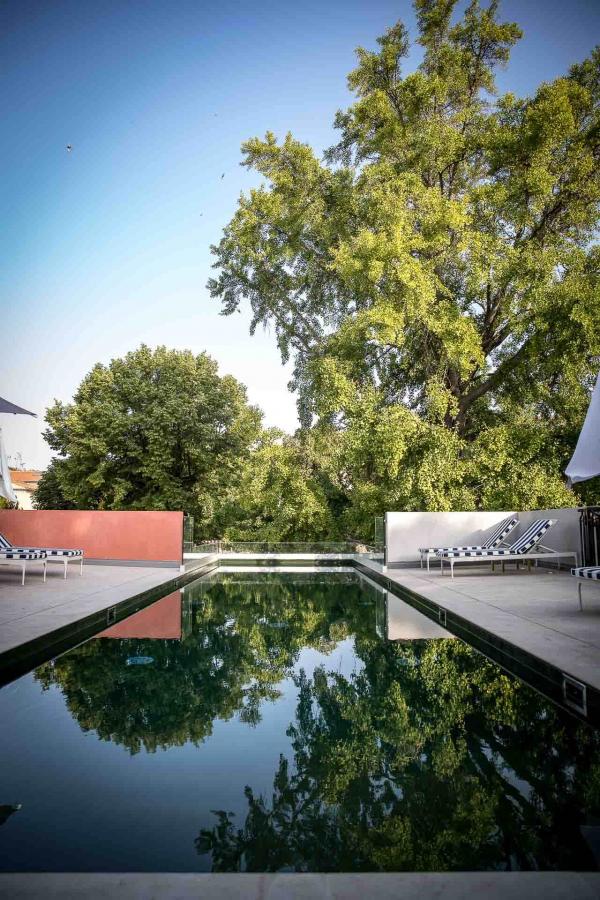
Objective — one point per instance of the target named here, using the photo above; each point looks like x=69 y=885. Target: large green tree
x=157 y=429
x=435 y=277
x=49 y=492
x=281 y=496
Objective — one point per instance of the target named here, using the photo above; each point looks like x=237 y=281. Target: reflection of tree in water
x=428 y=759
x=245 y=639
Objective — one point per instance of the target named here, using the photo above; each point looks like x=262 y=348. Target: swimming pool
x=266 y=722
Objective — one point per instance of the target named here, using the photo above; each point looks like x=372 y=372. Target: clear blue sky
x=108 y=246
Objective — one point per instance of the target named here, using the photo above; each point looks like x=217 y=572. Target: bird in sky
x=69 y=148
x=222 y=176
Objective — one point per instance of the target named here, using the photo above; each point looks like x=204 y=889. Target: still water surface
x=266 y=723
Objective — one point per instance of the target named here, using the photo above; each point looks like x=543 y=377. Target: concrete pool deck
x=300 y=886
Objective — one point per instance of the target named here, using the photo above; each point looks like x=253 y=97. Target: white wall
x=407 y=531
x=24 y=498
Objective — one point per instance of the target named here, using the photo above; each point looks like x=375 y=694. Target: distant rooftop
x=25 y=479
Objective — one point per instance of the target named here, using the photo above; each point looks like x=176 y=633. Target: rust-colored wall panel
x=148 y=536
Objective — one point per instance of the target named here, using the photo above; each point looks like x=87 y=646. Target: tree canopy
x=435 y=277
x=157 y=429
x=281 y=496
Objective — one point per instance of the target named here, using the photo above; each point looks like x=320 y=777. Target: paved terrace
x=537 y=612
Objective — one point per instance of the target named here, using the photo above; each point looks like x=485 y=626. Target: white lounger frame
x=23 y=563
x=510 y=557
x=580 y=582
x=65 y=560
x=426 y=555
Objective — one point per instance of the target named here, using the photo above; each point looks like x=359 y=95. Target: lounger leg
x=502 y=564
x=442 y=564
x=452 y=568
x=81 y=566
x=65 y=575
x=579 y=592
x=22 y=574
x=421 y=555
x=45 y=569
x=428 y=562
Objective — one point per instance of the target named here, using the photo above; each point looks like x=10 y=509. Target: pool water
x=261 y=722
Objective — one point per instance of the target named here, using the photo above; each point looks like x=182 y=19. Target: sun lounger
x=53 y=554
x=496 y=539
x=527 y=547
x=589 y=573
x=23 y=558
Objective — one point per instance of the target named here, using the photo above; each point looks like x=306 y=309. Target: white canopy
x=585 y=462
x=6 y=488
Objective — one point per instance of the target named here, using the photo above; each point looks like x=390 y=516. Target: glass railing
x=188 y=534
x=289 y=547
x=204 y=547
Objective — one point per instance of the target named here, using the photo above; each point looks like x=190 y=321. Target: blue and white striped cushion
x=51 y=551
x=5 y=544
x=531 y=536
x=22 y=554
x=452 y=552
x=495 y=538
x=587 y=572
x=504 y=528
x=450 y=549
x=528 y=540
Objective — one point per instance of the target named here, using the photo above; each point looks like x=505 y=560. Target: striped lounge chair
x=496 y=538
x=23 y=558
x=591 y=573
x=527 y=547
x=53 y=554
